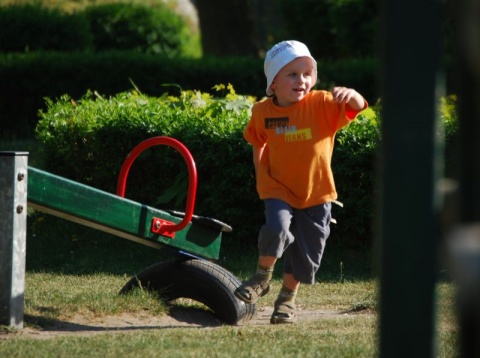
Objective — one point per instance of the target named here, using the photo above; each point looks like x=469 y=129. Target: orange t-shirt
x=295 y=165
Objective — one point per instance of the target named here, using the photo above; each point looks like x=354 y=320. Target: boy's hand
x=349 y=96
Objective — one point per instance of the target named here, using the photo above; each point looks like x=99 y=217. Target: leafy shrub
x=115 y=26
x=35 y=28
x=353 y=164
x=28 y=78
x=123 y=26
x=88 y=140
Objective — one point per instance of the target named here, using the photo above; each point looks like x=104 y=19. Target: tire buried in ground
x=197 y=279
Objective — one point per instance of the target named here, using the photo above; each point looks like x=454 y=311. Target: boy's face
x=294 y=81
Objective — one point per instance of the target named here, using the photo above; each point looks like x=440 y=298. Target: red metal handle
x=192 y=176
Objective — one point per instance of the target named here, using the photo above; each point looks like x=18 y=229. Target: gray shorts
x=299 y=235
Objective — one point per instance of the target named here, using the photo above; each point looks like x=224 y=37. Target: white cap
x=280 y=55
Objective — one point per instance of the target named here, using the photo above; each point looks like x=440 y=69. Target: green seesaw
x=193 y=240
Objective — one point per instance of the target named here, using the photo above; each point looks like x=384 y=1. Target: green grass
x=74 y=271
x=325 y=339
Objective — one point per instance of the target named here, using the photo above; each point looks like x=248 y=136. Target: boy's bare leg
x=290 y=282
x=267 y=261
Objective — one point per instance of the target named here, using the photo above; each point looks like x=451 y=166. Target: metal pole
x=13 y=222
x=407 y=207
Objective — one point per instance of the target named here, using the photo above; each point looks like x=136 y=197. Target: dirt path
x=125 y=323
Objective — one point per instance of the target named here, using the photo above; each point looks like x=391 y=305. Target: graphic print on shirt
x=290 y=132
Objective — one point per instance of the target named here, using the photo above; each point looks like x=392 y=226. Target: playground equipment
x=193 y=240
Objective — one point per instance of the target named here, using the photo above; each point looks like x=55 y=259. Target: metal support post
x=13 y=220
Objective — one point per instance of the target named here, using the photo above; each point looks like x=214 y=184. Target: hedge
x=149 y=29
x=111 y=26
x=88 y=139
x=30 y=28
x=29 y=78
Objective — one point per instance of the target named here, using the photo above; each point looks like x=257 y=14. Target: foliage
x=116 y=26
x=88 y=139
x=52 y=74
x=33 y=28
x=354 y=162
x=123 y=26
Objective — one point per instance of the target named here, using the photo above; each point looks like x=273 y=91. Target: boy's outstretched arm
x=348 y=95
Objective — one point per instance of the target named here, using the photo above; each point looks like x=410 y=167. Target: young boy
x=292 y=133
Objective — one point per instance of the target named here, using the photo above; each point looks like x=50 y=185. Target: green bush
x=34 y=28
x=115 y=26
x=87 y=140
x=353 y=165
x=28 y=78
x=123 y=26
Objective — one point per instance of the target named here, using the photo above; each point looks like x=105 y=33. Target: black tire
x=200 y=280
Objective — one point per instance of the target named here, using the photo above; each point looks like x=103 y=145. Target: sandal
x=250 y=291
x=284 y=313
